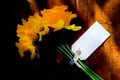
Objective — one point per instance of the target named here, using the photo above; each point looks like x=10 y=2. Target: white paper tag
x=90 y=40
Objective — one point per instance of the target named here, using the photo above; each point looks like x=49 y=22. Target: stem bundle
x=68 y=54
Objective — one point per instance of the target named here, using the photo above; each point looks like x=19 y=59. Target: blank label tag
x=90 y=41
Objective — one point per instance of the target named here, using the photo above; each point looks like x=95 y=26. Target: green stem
x=63 y=54
x=84 y=68
x=66 y=49
x=89 y=72
x=67 y=53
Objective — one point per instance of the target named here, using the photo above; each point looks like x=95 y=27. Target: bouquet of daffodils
x=42 y=23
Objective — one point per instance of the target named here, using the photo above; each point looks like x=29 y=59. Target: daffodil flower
x=39 y=25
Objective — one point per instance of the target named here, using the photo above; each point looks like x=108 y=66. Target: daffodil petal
x=59 y=25
x=73 y=27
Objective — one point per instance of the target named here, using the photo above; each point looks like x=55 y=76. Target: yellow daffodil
x=58 y=17
x=37 y=26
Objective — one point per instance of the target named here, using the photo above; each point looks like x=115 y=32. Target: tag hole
x=78 y=52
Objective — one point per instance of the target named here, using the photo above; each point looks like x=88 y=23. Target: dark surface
x=46 y=68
